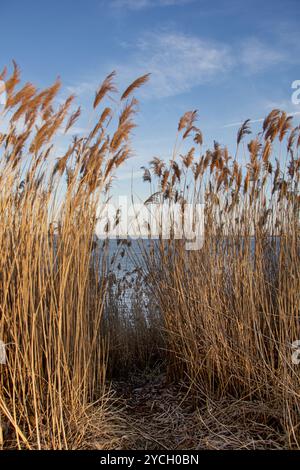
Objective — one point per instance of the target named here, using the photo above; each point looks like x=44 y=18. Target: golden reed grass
x=231 y=310
x=52 y=288
x=228 y=313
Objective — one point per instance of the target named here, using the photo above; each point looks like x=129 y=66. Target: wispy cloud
x=253 y=121
x=142 y=4
x=239 y=123
x=82 y=88
x=177 y=62
x=74 y=130
x=257 y=56
x=282 y=104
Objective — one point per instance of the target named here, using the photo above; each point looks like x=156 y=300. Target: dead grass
x=231 y=309
x=52 y=286
x=164 y=416
x=223 y=319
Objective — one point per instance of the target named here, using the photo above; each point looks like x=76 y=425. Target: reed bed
x=231 y=309
x=222 y=318
x=53 y=280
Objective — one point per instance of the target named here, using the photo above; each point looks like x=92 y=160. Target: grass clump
x=52 y=278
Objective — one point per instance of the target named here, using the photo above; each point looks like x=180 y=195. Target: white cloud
x=257 y=56
x=81 y=88
x=74 y=130
x=282 y=104
x=239 y=123
x=253 y=121
x=177 y=62
x=142 y=4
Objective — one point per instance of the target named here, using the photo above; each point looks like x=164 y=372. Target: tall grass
x=231 y=310
x=52 y=282
x=223 y=317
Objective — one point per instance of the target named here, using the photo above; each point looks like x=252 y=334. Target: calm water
x=127 y=271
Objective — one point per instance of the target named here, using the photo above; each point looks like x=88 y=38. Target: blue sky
x=231 y=60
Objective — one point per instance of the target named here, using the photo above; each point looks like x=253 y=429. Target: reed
x=223 y=318
x=52 y=279
x=231 y=309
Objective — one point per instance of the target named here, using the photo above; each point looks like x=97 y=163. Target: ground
x=159 y=415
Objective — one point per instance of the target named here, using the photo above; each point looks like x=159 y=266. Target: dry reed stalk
x=231 y=310
x=52 y=286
